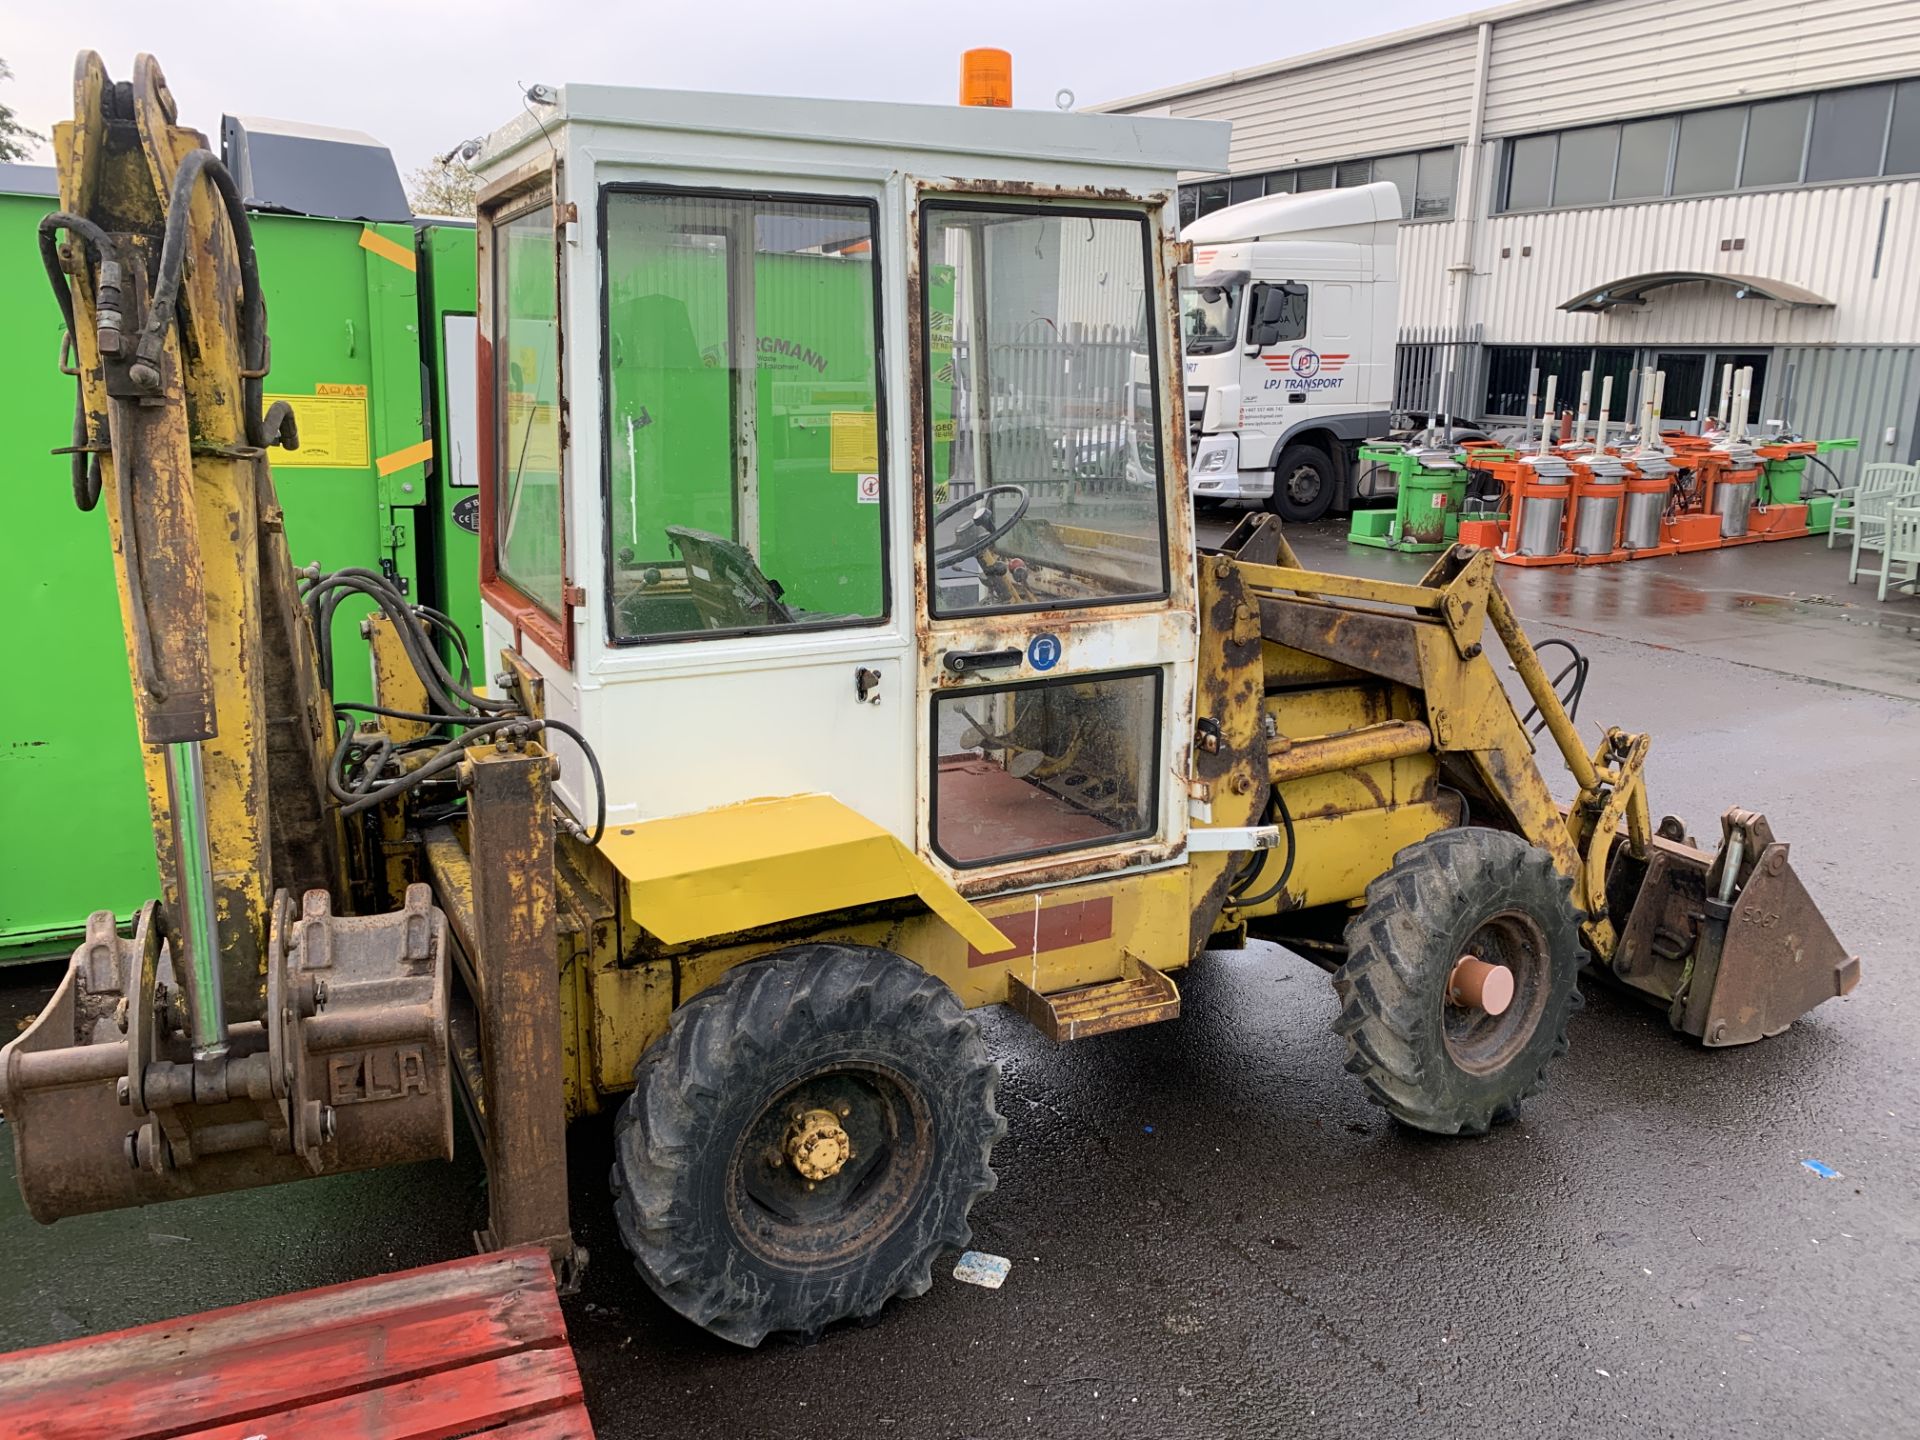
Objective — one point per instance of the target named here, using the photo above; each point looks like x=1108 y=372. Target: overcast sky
x=421 y=77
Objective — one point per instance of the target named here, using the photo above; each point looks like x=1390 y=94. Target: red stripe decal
x=1057 y=927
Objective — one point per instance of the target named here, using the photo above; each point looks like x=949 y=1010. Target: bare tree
x=16 y=141
x=442 y=188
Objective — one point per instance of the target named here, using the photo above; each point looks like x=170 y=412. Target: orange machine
x=1587 y=503
x=1720 y=502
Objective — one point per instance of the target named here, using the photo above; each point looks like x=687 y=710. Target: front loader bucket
x=1733 y=961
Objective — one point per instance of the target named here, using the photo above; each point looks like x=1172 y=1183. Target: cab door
x=1057 y=618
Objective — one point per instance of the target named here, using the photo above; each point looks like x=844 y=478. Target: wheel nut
x=817 y=1146
x=1477 y=985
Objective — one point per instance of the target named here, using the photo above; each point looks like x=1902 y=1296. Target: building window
x=1646 y=147
x=1403 y=171
x=1709 y=155
x=1583 y=174
x=1903 y=136
x=1849 y=134
x=1776 y=142
x=1515 y=371
x=1530 y=172
x=1425 y=179
x=1853 y=134
x=1433 y=190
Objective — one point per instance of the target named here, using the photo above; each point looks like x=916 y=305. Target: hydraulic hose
x=85 y=460
x=145 y=371
x=1276 y=804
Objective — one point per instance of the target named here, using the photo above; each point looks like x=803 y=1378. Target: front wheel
x=1459 y=980
x=1303 y=483
x=804 y=1141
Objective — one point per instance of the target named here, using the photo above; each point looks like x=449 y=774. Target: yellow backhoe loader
x=854 y=667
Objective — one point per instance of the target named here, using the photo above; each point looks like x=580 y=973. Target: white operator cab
x=832 y=448
x=1288 y=323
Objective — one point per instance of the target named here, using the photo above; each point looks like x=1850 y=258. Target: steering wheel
x=989 y=531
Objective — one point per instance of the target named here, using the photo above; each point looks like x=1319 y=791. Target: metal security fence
x=1066 y=408
x=1435 y=372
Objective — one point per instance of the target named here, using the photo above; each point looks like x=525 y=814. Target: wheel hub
x=1477 y=985
x=816 y=1144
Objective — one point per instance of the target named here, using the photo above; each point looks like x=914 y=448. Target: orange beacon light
x=986 y=78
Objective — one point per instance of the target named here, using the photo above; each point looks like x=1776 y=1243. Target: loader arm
x=1654 y=911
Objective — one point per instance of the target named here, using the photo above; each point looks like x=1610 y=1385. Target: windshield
x=1208 y=317
x=1040 y=362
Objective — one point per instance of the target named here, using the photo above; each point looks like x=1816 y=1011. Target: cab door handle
x=965 y=662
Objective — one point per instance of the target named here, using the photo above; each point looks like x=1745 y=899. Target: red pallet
x=474 y=1347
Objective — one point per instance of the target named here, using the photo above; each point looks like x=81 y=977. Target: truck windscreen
x=1209 y=315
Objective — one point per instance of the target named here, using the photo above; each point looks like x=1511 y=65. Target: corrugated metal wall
x=1424 y=252
x=1823 y=238
x=1857 y=365
x=1406 y=97
x=1633 y=57
x=1550 y=66
x=1852 y=390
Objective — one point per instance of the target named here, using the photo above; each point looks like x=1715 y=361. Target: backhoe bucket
x=1734 y=957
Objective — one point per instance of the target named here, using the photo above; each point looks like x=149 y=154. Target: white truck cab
x=1288 y=323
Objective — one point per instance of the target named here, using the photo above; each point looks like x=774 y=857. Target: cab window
x=1040 y=767
x=1277 y=314
x=1042 y=403
x=527 y=503
x=744 y=442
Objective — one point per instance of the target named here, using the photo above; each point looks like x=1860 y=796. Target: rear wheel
x=1459 y=980
x=804 y=1141
x=1303 y=481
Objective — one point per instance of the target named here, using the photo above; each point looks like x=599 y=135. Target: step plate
x=1141 y=996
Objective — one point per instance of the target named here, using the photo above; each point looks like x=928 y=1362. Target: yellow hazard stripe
x=387 y=250
x=401 y=459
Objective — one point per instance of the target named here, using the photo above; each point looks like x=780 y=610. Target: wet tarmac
x=1213 y=1233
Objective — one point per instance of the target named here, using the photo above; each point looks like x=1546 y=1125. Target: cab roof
x=1121 y=142
x=1277 y=217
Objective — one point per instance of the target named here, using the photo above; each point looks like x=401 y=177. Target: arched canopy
x=1633 y=289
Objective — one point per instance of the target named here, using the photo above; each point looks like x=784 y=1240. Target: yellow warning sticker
x=943 y=432
x=533 y=436
x=855 y=442
x=333 y=429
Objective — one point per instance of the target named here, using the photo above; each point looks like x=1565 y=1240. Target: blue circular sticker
x=1043 y=651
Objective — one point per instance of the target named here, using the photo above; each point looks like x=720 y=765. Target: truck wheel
x=1303 y=483
x=1459 y=980
x=805 y=1139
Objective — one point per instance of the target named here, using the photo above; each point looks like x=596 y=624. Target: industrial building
x=1616 y=184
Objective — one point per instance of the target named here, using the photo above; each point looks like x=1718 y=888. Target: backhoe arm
x=158 y=281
